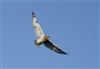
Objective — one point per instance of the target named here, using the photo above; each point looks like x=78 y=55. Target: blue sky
x=73 y=26
x=50 y=0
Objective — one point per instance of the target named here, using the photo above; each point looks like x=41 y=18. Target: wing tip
x=33 y=13
x=63 y=53
x=66 y=53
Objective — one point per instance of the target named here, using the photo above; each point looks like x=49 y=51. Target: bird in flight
x=42 y=38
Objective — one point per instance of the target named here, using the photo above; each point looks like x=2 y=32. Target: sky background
x=49 y=0
x=73 y=26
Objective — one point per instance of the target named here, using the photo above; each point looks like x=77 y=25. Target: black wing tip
x=33 y=13
x=63 y=53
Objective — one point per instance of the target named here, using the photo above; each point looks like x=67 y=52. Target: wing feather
x=36 y=26
x=54 y=48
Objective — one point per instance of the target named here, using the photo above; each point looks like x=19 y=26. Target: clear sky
x=49 y=0
x=73 y=26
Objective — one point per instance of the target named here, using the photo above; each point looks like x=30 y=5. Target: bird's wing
x=54 y=48
x=36 y=26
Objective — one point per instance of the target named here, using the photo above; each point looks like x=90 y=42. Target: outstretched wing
x=36 y=26
x=54 y=48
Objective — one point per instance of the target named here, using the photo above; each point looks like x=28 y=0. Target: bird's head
x=37 y=43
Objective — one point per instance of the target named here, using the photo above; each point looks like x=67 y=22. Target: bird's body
x=42 y=38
